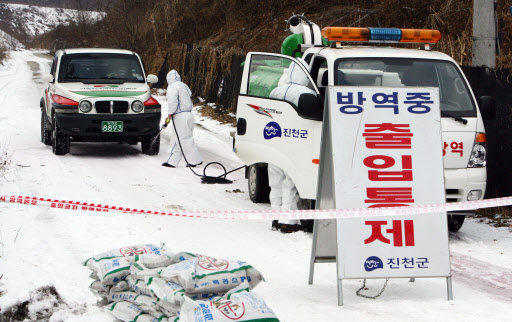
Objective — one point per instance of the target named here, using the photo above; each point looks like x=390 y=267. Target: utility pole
x=484 y=33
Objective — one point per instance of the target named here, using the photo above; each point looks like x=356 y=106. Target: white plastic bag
x=126 y=311
x=164 y=290
x=138 y=270
x=99 y=289
x=238 y=304
x=154 y=260
x=113 y=270
x=127 y=252
x=138 y=286
x=205 y=274
x=120 y=287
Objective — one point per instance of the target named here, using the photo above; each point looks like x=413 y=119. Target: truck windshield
x=455 y=98
x=100 y=68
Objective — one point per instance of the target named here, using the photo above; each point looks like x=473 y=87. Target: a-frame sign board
x=382 y=147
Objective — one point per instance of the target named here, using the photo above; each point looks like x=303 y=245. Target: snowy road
x=41 y=247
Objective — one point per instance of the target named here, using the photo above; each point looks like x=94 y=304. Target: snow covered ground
x=41 y=247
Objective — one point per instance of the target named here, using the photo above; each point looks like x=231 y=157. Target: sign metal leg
x=449 y=288
x=340 y=292
x=313 y=253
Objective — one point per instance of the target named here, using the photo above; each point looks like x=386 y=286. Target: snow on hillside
x=8 y=41
x=37 y=20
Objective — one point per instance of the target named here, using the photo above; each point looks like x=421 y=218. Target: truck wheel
x=455 y=222
x=258 y=184
x=146 y=141
x=46 y=132
x=60 y=141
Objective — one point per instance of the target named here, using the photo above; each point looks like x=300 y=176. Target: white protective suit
x=283 y=193
x=180 y=107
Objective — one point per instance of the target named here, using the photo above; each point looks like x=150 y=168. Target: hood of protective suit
x=296 y=75
x=173 y=76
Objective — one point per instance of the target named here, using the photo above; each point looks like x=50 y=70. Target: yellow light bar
x=381 y=35
x=421 y=35
x=346 y=34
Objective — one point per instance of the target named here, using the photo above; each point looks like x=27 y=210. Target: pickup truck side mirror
x=47 y=78
x=487 y=107
x=310 y=107
x=153 y=79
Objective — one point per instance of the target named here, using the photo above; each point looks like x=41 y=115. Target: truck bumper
x=81 y=126
x=460 y=182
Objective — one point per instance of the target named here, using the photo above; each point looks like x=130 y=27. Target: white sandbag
x=113 y=270
x=138 y=286
x=120 y=287
x=148 y=305
x=204 y=297
x=164 y=290
x=182 y=256
x=99 y=289
x=94 y=276
x=170 y=310
x=238 y=304
x=126 y=311
x=127 y=252
x=138 y=270
x=102 y=302
x=154 y=260
x=121 y=296
x=205 y=274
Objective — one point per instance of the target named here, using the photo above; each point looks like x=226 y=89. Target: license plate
x=112 y=126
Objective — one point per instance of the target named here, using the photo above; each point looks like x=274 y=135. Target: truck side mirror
x=487 y=107
x=153 y=79
x=310 y=107
x=47 y=78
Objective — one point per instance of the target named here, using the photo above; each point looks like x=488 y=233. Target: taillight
x=62 y=100
x=151 y=101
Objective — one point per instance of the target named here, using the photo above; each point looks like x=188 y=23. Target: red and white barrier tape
x=263 y=215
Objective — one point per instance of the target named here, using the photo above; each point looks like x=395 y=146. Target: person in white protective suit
x=283 y=193
x=180 y=111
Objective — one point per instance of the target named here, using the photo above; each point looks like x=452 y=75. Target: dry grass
x=3 y=53
x=217 y=114
x=496 y=217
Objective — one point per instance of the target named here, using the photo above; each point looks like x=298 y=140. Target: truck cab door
x=49 y=87
x=271 y=128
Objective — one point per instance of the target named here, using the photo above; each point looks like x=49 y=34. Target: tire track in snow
x=482 y=276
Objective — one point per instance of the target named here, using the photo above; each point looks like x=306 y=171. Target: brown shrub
x=3 y=53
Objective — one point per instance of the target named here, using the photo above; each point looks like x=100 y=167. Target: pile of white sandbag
x=150 y=283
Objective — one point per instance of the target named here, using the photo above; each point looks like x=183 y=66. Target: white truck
x=279 y=132
x=99 y=95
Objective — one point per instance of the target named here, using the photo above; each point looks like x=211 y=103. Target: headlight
x=478 y=158
x=137 y=106
x=474 y=195
x=85 y=106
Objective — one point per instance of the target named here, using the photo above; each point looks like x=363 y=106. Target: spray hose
x=204 y=178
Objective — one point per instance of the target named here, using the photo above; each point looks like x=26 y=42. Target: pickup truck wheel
x=46 y=132
x=147 y=147
x=455 y=222
x=60 y=141
x=258 y=184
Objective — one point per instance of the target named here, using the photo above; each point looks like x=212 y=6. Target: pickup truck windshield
x=394 y=72
x=100 y=68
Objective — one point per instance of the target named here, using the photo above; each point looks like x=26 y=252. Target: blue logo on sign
x=372 y=263
x=271 y=130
